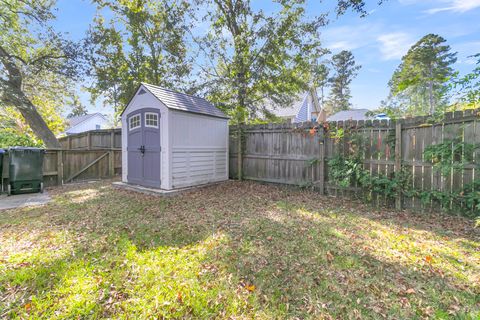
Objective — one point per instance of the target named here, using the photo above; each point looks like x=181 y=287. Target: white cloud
x=459 y=6
x=341 y=45
x=351 y=37
x=394 y=45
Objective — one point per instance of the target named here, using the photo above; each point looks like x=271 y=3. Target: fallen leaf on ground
x=329 y=256
x=250 y=287
x=410 y=291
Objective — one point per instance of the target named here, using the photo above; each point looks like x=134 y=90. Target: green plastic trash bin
x=25 y=168
x=2 y=152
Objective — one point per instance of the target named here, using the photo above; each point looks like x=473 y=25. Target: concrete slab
x=153 y=191
x=23 y=200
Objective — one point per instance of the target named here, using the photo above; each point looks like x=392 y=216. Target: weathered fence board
x=279 y=153
x=95 y=139
x=291 y=154
x=299 y=154
x=59 y=165
x=77 y=152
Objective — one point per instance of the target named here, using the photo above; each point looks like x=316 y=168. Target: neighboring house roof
x=352 y=114
x=298 y=109
x=74 y=121
x=287 y=112
x=184 y=102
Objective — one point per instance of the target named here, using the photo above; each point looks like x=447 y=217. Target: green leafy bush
x=345 y=171
x=10 y=139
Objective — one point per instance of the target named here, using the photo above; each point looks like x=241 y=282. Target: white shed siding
x=89 y=124
x=147 y=100
x=194 y=146
x=199 y=149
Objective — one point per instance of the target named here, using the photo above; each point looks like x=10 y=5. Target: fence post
x=321 y=159
x=69 y=143
x=111 y=163
x=60 y=167
x=398 y=160
x=112 y=138
x=89 y=141
x=239 y=152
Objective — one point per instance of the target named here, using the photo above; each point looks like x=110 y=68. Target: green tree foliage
x=36 y=65
x=137 y=41
x=77 y=108
x=420 y=83
x=257 y=58
x=247 y=58
x=468 y=88
x=321 y=79
x=354 y=5
x=345 y=68
x=15 y=131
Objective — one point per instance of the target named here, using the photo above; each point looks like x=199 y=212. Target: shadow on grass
x=236 y=249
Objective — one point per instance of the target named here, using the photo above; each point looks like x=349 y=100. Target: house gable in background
x=93 y=121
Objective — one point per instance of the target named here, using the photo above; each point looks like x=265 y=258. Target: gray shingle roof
x=184 y=102
x=289 y=111
x=292 y=110
x=353 y=114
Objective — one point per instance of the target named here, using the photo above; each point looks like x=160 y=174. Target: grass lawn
x=234 y=250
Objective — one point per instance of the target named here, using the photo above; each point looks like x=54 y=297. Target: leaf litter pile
x=234 y=250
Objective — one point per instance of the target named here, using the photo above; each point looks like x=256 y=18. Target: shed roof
x=352 y=114
x=184 y=102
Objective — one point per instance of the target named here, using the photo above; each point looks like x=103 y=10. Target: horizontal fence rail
x=91 y=155
x=300 y=153
x=94 y=139
x=63 y=166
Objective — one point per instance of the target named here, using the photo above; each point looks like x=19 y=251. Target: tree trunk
x=239 y=152
x=13 y=94
x=430 y=97
x=36 y=122
x=430 y=91
x=241 y=121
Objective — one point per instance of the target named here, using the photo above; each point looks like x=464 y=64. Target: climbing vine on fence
x=452 y=154
x=347 y=170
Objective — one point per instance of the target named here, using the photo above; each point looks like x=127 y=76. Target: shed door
x=144 y=147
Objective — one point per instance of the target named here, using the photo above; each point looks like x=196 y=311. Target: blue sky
x=378 y=41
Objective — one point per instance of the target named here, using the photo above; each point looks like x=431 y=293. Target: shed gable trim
x=179 y=101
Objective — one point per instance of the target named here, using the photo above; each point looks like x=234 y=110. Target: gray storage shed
x=173 y=140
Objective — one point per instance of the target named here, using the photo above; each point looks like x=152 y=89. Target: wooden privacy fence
x=299 y=154
x=64 y=166
x=279 y=153
x=90 y=155
x=94 y=139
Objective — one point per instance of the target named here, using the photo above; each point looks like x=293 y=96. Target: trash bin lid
x=2 y=151
x=26 y=149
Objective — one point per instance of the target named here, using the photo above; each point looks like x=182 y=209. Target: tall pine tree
x=345 y=70
x=421 y=79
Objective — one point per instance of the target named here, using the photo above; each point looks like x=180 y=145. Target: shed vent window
x=151 y=120
x=134 y=122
